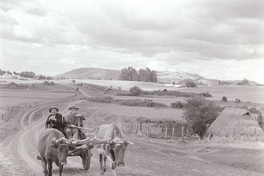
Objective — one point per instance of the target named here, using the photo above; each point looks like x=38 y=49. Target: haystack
x=46 y=83
x=235 y=122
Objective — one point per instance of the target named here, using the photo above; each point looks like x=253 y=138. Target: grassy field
x=254 y=94
x=125 y=85
x=130 y=112
x=241 y=155
x=149 y=156
x=39 y=94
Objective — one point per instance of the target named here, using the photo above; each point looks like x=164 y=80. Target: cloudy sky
x=221 y=39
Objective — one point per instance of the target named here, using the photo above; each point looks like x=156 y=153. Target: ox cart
x=83 y=151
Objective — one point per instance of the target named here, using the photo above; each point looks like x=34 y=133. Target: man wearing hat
x=55 y=120
x=74 y=119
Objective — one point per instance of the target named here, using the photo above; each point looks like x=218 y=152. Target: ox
x=52 y=147
x=115 y=151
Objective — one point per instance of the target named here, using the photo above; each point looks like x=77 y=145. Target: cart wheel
x=86 y=160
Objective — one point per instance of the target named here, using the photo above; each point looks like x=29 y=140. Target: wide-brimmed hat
x=53 y=107
x=73 y=107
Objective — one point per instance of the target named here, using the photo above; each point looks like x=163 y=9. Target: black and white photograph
x=131 y=88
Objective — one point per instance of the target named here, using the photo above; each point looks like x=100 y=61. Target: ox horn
x=54 y=140
x=54 y=143
x=62 y=140
x=128 y=142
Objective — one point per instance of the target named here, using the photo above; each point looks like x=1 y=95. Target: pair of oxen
x=109 y=141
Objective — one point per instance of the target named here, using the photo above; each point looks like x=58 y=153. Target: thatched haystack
x=235 y=123
x=46 y=83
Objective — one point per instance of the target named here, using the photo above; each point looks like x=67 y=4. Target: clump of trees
x=224 y=99
x=143 y=75
x=41 y=77
x=177 y=104
x=237 y=100
x=46 y=83
x=254 y=110
x=200 y=113
x=135 y=91
x=2 y=72
x=224 y=83
x=244 y=82
x=27 y=74
x=207 y=94
x=190 y=83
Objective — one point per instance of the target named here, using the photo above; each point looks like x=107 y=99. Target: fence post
x=158 y=131
x=148 y=130
x=182 y=133
x=131 y=128
x=136 y=128
x=172 y=135
x=125 y=127
x=166 y=133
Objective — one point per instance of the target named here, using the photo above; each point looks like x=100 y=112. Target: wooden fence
x=11 y=110
x=159 y=130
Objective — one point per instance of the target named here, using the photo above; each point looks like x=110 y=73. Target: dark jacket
x=75 y=119
x=58 y=124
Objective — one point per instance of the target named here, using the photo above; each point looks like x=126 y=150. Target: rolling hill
x=91 y=73
x=165 y=77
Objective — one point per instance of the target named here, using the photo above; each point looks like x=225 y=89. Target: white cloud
x=191 y=36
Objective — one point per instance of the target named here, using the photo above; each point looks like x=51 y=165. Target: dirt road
x=147 y=157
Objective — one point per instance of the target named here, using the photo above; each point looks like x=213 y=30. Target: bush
x=134 y=102
x=224 y=99
x=101 y=99
x=13 y=84
x=260 y=121
x=169 y=93
x=190 y=83
x=156 y=105
x=139 y=102
x=127 y=102
x=46 y=83
x=207 y=94
x=135 y=91
x=254 y=110
x=200 y=113
x=177 y=104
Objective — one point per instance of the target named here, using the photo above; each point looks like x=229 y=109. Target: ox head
x=62 y=145
x=117 y=150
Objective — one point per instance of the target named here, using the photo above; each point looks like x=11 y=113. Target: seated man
x=56 y=120
x=74 y=119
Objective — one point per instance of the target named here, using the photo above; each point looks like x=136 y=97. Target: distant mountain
x=165 y=77
x=91 y=73
x=169 y=77
x=181 y=77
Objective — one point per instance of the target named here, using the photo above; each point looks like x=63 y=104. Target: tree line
x=143 y=75
x=2 y=72
x=26 y=74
